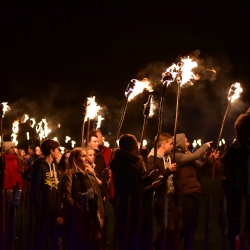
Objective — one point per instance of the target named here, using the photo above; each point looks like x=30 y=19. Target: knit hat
x=7 y=145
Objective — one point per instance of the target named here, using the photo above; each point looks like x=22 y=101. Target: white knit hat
x=7 y=145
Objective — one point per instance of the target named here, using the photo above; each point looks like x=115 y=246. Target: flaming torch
x=90 y=111
x=146 y=112
x=233 y=94
x=97 y=122
x=184 y=75
x=134 y=88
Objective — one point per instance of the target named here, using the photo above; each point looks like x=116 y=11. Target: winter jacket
x=45 y=184
x=162 y=164
x=186 y=178
x=74 y=186
x=99 y=164
x=237 y=183
x=129 y=174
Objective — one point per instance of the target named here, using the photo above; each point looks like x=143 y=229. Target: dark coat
x=186 y=178
x=74 y=186
x=100 y=164
x=45 y=184
x=128 y=176
x=236 y=173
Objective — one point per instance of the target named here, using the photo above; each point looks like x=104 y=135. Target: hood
x=180 y=142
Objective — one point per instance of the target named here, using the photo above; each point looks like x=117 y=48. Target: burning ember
x=5 y=108
x=234 y=92
x=136 y=87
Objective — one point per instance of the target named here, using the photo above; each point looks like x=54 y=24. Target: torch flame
x=15 y=126
x=73 y=144
x=194 y=144
x=234 y=92
x=46 y=128
x=13 y=138
x=24 y=118
x=91 y=109
x=99 y=120
x=137 y=87
x=32 y=122
x=5 y=108
x=62 y=149
x=153 y=106
x=67 y=139
x=144 y=143
x=28 y=135
x=181 y=71
x=55 y=139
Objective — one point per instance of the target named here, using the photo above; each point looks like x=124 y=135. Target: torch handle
x=222 y=126
x=143 y=130
x=159 y=121
x=176 y=117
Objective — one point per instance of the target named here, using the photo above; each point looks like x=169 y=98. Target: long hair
x=73 y=165
x=63 y=166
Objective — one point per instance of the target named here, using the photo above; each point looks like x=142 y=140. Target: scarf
x=12 y=175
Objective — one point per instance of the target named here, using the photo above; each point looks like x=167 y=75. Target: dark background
x=54 y=56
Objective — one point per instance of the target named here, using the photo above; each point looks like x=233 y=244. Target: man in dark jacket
x=187 y=184
x=237 y=183
x=163 y=164
x=44 y=188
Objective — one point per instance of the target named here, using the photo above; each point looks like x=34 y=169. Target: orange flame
x=91 y=109
x=24 y=118
x=234 y=92
x=67 y=139
x=138 y=88
x=14 y=138
x=32 y=122
x=15 y=126
x=99 y=120
x=5 y=108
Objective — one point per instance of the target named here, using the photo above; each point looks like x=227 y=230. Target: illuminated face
x=93 y=143
x=186 y=144
x=168 y=146
x=22 y=153
x=82 y=159
x=38 y=151
x=55 y=153
x=11 y=151
x=100 y=138
x=91 y=156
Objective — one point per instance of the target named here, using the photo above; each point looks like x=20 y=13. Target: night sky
x=54 y=56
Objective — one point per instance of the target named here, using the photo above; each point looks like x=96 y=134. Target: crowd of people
x=68 y=192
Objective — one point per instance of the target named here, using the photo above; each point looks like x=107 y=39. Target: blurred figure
x=130 y=180
x=63 y=163
x=79 y=180
x=165 y=168
x=237 y=182
x=12 y=167
x=187 y=184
